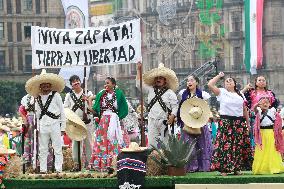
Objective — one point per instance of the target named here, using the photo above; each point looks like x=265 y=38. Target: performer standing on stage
x=75 y=100
x=50 y=115
x=26 y=111
x=111 y=106
x=202 y=160
x=268 y=138
x=232 y=152
x=160 y=84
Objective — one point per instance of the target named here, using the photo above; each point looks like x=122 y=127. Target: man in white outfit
x=160 y=84
x=50 y=115
x=75 y=100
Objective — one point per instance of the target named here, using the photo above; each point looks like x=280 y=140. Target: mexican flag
x=253 y=35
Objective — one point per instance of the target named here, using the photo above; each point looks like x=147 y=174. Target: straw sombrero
x=4 y=128
x=56 y=81
x=5 y=151
x=195 y=112
x=75 y=127
x=161 y=71
x=134 y=147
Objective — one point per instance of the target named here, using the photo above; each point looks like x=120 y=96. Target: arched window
x=176 y=60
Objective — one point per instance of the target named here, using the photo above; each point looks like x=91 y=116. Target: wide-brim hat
x=161 y=71
x=75 y=127
x=134 y=147
x=33 y=84
x=195 y=112
x=5 y=151
x=4 y=128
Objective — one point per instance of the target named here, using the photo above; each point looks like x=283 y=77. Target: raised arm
x=255 y=108
x=246 y=88
x=212 y=83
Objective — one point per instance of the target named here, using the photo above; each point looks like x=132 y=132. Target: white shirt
x=231 y=103
x=266 y=121
x=169 y=98
x=205 y=95
x=55 y=107
x=69 y=103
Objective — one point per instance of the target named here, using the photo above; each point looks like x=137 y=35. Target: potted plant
x=175 y=154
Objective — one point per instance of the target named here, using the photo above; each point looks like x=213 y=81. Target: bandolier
x=44 y=108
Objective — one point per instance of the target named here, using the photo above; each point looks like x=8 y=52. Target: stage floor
x=150 y=182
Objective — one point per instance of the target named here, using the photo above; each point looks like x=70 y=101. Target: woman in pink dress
x=260 y=90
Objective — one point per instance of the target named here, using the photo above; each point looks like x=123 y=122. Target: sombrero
x=161 y=71
x=195 y=112
x=134 y=147
x=5 y=151
x=56 y=81
x=75 y=127
x=4 y=128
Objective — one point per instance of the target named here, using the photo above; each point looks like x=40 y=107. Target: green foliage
x=11 y=94
x=176 y=153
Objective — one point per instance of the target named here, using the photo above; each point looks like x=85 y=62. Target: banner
x=76 y=16
x=114 y=44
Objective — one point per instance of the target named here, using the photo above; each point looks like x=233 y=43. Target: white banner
x=76 y=16
x=114 y=44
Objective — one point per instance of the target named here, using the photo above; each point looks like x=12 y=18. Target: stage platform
x=208 y=178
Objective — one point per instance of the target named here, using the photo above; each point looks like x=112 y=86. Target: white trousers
x=46 y=133
x=88 y=141
x=156 y=130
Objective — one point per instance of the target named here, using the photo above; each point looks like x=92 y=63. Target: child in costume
x=268 y=138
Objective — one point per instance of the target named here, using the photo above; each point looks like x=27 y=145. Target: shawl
x=279 y=142
x=122 y=107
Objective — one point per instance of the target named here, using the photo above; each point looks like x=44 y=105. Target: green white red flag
x=253 y=35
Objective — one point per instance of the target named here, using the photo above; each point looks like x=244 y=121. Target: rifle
x=36 y=146
x=85 y=116
x=23 y=146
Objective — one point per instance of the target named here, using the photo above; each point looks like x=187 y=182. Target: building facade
x=174 y=38
x=16 y=17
